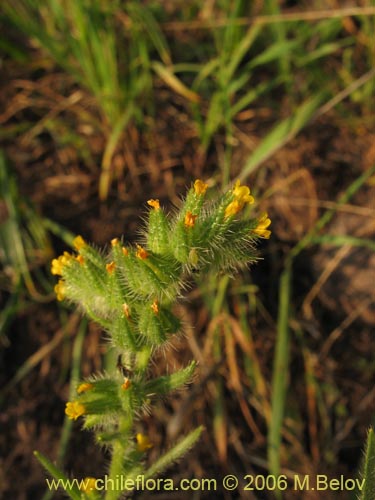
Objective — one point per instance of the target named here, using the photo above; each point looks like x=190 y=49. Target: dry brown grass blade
x=330 y=268
x=310 y=361
x=44 y=351
x=248 y=348
x=337 y=332
x=271 y=19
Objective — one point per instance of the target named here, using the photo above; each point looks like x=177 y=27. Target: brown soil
x=333 y=297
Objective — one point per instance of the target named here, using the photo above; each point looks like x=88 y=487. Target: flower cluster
x=131 y=292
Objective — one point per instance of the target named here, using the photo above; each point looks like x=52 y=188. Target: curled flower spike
x=110 y=267
x=154 y=204
x=143 y=442
x=190 y=219
x=114 y=242
x=200 y=187
x=74 y=409
x=261 y=229
x=141 y=253
x=242 y=193
x=84 y=387
x=88 y=484
x=60 y=290
x=79 y=243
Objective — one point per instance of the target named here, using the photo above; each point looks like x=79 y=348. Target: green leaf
x=71 y=489
x=282 y=133
x=167 y=383
x=174 y=454
x=275 y=52
x=368 y=469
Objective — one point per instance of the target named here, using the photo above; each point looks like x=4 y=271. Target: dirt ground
x=333 y=296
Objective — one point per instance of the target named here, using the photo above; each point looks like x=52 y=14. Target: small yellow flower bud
x=56 y=267
x=80 y=259
x=60 y=290
x=79 y=243
x=154 y=203
x=155 y=307
x=115 y=242
x=143 y=442
x=110 y=267
x=127 y=383
x=74 y=409
x=200 y=187
x=125 y=251
x=84 y=387
x=190 y=219
x=141 y=253
x=126 y=310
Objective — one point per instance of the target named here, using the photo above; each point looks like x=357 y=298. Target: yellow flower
x=200 y=187
x=190 y=219
x=154 y=203
x=114 y=242
x=58 y=264
x=85 y=386
x=60 y=290
x=125 y=251
x=110 y=267
x=242 y=194
x=233 y=208
x=261 y=229
x=141 y=253
x=143 y=442
x=88 y=484
x=79 y=242
x=74 y=409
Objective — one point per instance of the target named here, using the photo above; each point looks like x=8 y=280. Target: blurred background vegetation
x=105 y=104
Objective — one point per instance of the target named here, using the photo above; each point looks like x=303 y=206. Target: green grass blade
x=280 y=373
x=151 y=27
x=274 y=53
x=105 y=176
x=251 y=95
x=57 y=474
x=280 y=37
x=282 y=133
x=339 y=240
x=280 y=368
x=74 y=377
x=241 y=50
x=368 y=469
x=328 y=215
